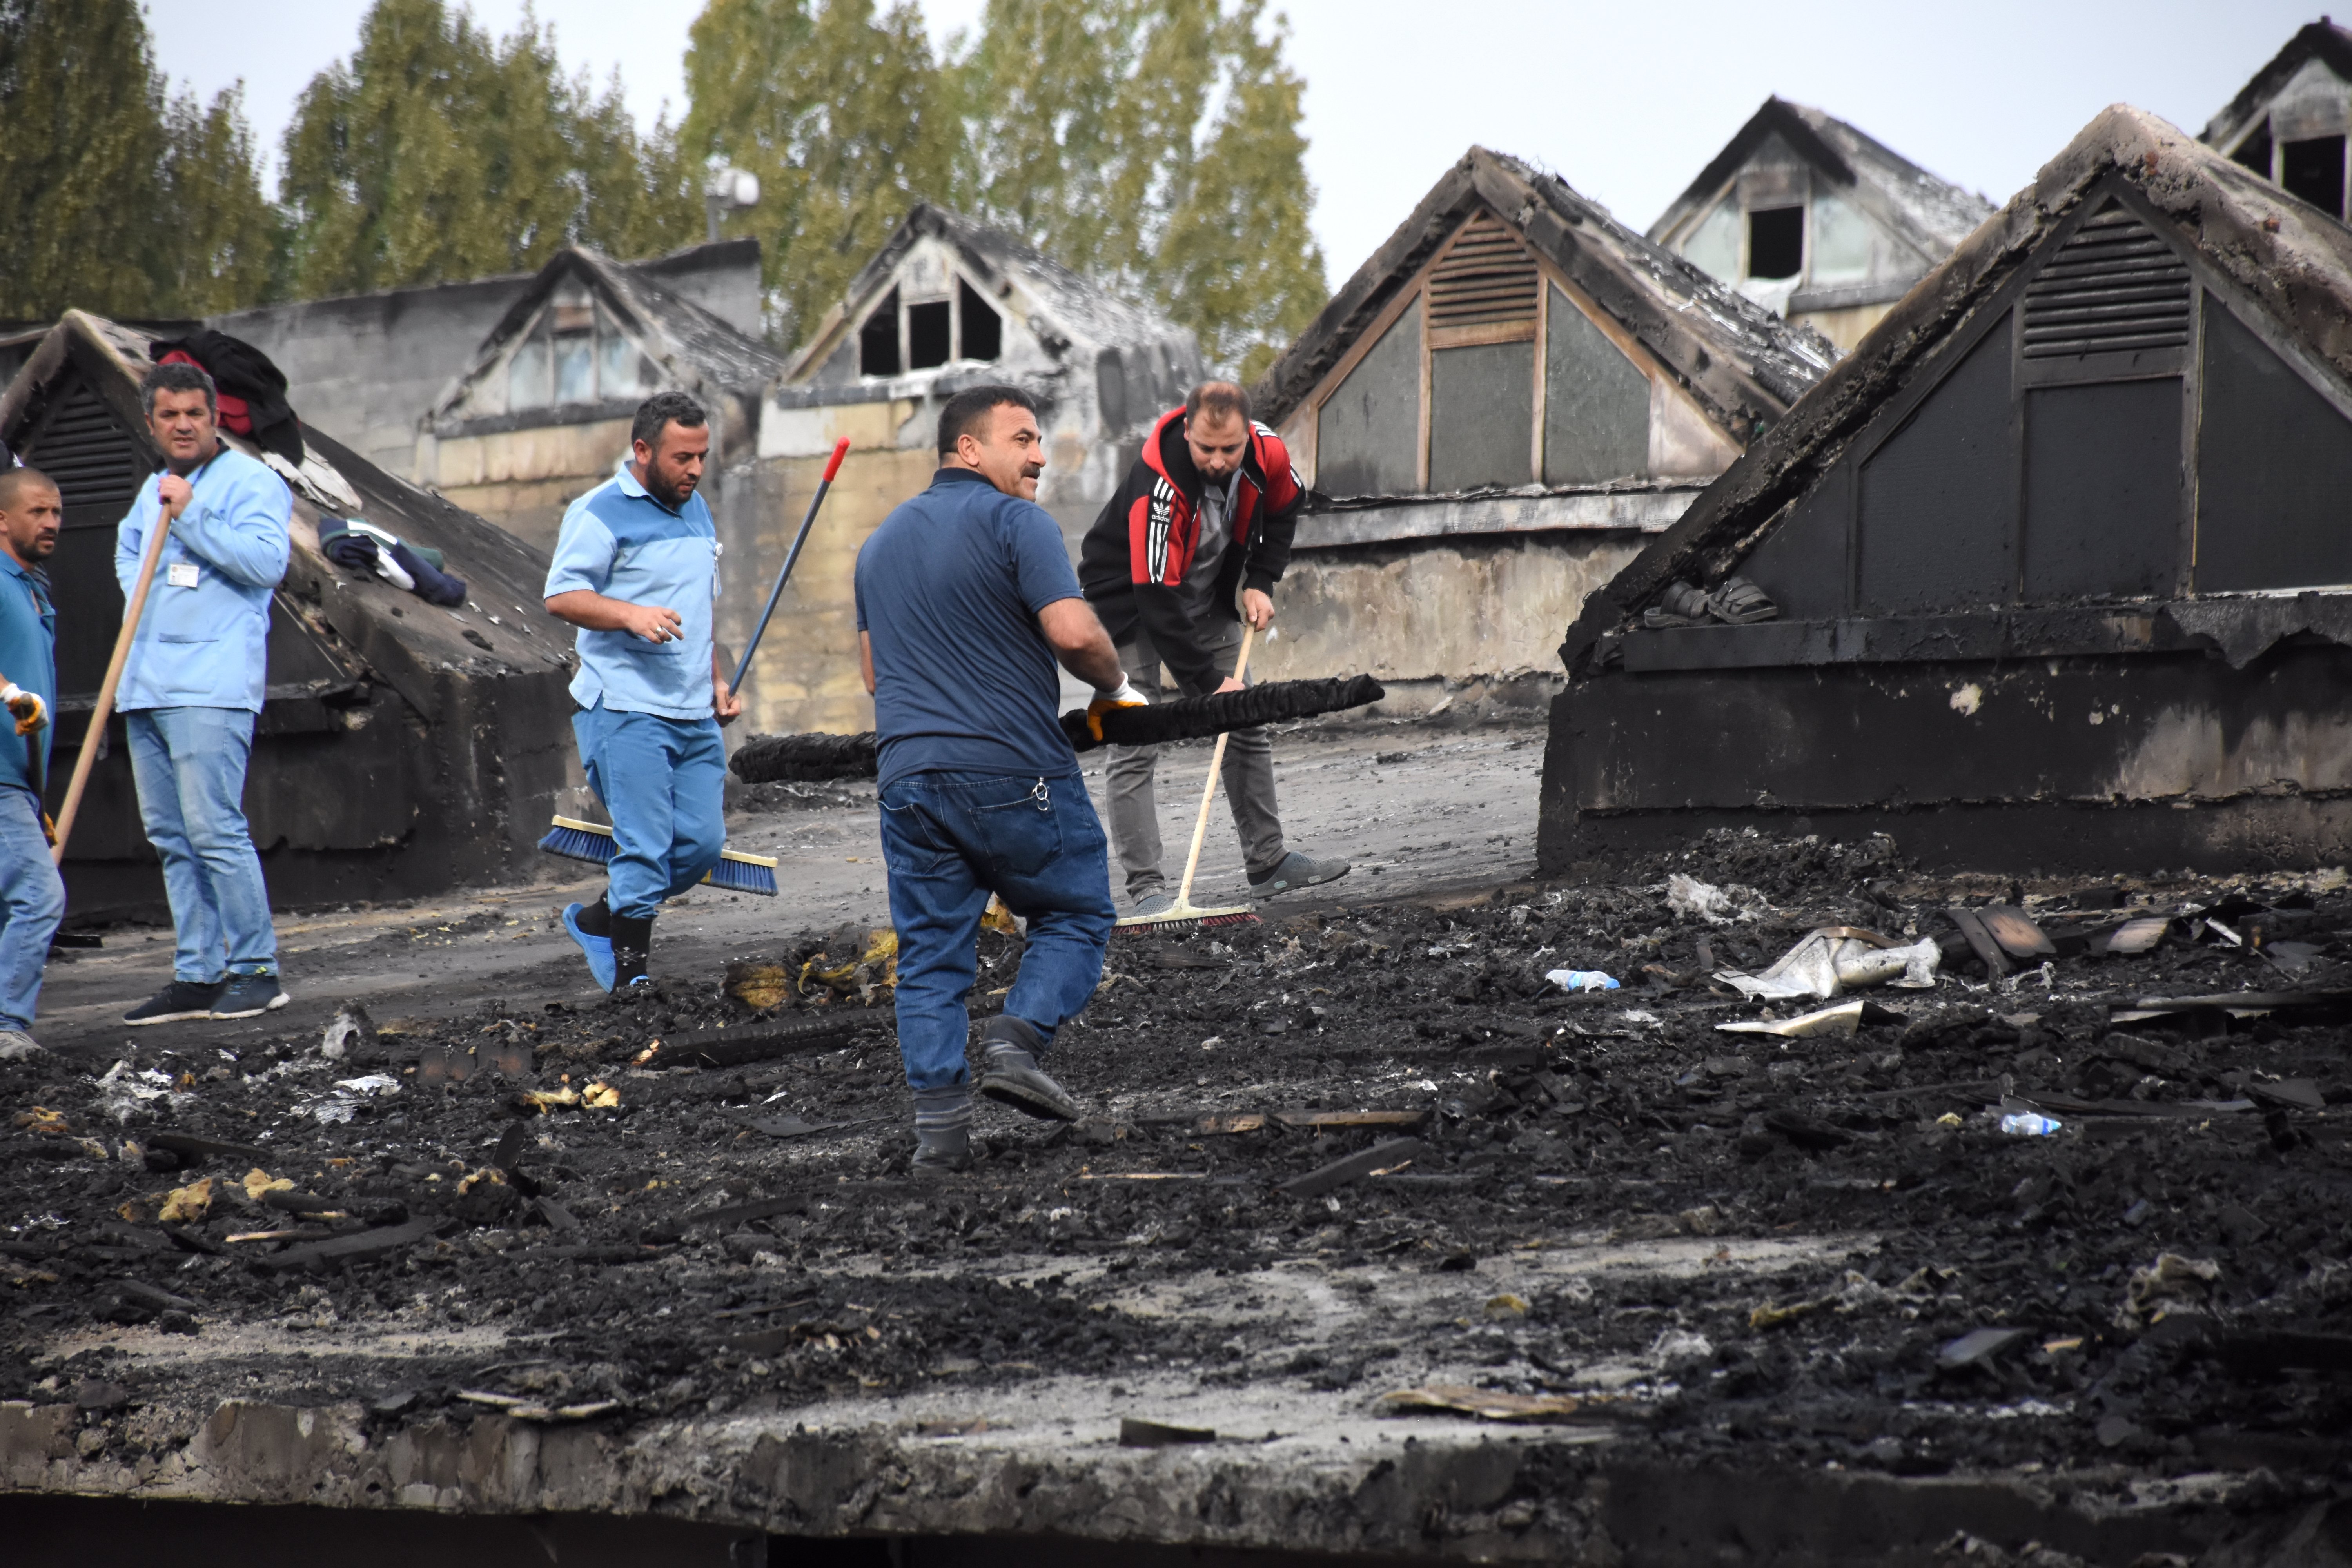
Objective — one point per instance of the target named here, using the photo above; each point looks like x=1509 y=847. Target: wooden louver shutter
x=2113 y=287
x=1485 y=277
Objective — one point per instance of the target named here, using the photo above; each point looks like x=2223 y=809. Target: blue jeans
x=664 y=781
x=950 y=839
x=190 y=767
x=32 y=902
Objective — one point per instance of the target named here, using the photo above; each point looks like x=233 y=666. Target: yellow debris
x=999 y=918
x=40 y=1118
x=187 y=1204
x=1950 y=1118
x=489 y=1174
x=257 y=1181
x=1507 y=1306
x=1768 y=1316
x=547 y=1100
x=601 y=1096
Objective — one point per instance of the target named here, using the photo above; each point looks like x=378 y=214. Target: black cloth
x=1196 y=717
x=243 y=371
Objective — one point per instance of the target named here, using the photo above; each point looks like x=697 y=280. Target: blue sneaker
x=596 y=950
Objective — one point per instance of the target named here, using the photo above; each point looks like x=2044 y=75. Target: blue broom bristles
x=577 y=840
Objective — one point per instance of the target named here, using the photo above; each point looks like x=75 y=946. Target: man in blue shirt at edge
x=637 y=570
x=192 y=691
x=32 y=897
x=965 y=601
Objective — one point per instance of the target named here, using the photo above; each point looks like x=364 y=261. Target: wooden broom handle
x=96 y=734
x=1216 y=766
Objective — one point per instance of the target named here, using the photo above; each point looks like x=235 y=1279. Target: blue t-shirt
x=28 y=655
x=948 y=588
x=619 y=542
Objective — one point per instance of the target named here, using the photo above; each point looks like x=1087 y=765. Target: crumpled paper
x=1832 y=959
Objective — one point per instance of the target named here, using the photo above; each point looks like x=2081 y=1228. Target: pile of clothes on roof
x=363 y=547
x=1737 y=603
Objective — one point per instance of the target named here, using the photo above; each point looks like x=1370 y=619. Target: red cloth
x=233 y=413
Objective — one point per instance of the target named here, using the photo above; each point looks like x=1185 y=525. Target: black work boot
x=633 y=948
x=1011 y=1075
x=942 y=1129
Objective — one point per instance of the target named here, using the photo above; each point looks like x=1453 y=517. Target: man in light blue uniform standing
x=637 y=570
x=32 y=897
x=192 y=691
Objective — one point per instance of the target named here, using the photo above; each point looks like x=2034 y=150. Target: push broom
x=1184 y=916
x=740 y=873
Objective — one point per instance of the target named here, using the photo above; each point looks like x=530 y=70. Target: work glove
x=31 y=712
x=1124 y=696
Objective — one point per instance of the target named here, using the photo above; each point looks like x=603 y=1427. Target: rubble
x=1446 y=1198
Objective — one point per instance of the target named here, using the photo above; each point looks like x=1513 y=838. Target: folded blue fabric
x=352 y=552
x=432 y=586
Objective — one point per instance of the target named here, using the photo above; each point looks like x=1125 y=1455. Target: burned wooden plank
x=758 y=1208
x=2014 y=930
x=1135 y=1434
x=1980 y=941
x=1351 y=1117
x=764 y=1041
x=1338 y=1172
x=359 y=1244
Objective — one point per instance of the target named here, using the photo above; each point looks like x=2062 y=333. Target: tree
x=438 y=152
x=844 y=116
x=227 y=242
x=1092 y=137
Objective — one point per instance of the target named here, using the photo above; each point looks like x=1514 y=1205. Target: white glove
x=1124 y=695
x=30 y=712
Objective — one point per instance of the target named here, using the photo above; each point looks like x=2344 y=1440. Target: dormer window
x=903 y=333
x=575 y=353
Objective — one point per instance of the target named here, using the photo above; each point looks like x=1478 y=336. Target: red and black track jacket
x=1135 y=557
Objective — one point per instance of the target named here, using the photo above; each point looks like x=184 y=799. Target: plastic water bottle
x=1580 y=980
x=2029 y=1124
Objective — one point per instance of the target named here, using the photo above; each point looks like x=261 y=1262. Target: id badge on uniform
x=181 y=574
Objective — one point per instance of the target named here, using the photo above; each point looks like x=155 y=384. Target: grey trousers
x=1248 y=783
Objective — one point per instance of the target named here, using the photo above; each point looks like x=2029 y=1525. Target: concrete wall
x=522 y=479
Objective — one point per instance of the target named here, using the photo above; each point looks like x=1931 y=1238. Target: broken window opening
x=928 y=336
x=2314 y=170
x=575 y=353
x=1775 y=242
x=983 y=328
x=878 y=340
x=2254 y=151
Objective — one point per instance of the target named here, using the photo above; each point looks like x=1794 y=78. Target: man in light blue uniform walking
x=637 y=570
x=192 y=691
x=32 y=898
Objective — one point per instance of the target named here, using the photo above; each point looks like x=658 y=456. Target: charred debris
x=1836 y=1241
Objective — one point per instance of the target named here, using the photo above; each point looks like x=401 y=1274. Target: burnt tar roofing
x=1744 y=364
x=2291 y=260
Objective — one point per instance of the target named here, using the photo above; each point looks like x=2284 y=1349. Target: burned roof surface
x=1929 y=212
x=1744 y=364
x=1083 y=309
x=2292 y=262
x=2321 y=40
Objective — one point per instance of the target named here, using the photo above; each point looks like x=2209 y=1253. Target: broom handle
x=840 y=450
x=95 y=735
x=1216 y=766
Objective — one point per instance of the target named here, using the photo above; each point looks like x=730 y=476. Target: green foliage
x=112 y=197
x=1153 y=145
x=842 y=114
x=439 y=153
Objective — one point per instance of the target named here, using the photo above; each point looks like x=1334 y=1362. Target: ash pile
x=1853 y=1168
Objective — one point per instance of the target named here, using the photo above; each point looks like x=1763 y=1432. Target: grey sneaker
x=16 y=1046
x=181 y=1000
x=250 y=996
x=1152 y=903
x=1295 y=871
x=1011 y=1075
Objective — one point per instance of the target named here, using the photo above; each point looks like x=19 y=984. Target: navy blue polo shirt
x=28 y=655
x=948 y=589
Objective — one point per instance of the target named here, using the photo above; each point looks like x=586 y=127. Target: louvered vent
x=1486 y=276
x=93 y=458
x=2113 y=287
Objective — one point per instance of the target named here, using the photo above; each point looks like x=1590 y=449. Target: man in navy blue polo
x=965 y=601
x=637 y=570
x=32 y=898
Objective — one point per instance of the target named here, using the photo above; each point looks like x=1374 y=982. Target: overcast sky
x=1626 y=101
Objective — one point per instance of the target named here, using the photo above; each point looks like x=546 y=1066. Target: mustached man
x=637 y=570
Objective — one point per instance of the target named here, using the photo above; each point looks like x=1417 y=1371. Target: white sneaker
x=16 y=1046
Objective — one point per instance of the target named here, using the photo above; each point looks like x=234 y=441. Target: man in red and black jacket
x=1207 y=511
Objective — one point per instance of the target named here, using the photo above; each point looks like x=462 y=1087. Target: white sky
x=1627 y=102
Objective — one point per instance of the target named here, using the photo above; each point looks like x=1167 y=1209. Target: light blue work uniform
x=193 y=686
x=32 y=897
x=648 y=734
